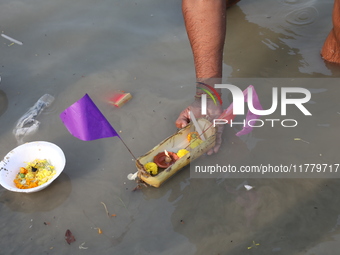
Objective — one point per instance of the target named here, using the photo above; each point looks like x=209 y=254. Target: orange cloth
x=331 y=48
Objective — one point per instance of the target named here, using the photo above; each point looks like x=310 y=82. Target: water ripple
x=303 y=16
x=294 y=1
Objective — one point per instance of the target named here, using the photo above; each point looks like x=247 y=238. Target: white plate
x=16 y=158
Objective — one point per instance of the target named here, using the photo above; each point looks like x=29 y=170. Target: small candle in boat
x=167 y=158
x=162 y=159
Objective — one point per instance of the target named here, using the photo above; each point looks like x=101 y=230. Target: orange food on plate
x=34 y=174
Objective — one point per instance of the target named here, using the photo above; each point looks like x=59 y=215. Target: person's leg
x=331 y=48
x=231 y=3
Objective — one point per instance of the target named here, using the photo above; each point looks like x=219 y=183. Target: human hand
x=213 y=112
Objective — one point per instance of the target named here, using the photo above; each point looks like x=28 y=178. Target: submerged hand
x=213 y=112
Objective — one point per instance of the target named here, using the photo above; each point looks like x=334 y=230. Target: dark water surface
x=75 y=47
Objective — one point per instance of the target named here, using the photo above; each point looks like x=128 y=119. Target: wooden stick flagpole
x=132 y=176
x=128 y=148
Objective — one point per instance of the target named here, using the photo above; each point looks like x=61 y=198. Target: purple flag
x=257 y=105
x=227 y=114
x=84 y=120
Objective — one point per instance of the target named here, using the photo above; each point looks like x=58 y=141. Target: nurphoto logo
x=239 y=99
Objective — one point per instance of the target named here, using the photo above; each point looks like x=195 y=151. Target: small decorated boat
x=175 y=152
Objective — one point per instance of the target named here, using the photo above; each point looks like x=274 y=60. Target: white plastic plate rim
x=16 y=158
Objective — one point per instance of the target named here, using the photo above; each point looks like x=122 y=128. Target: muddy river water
x=70 y=48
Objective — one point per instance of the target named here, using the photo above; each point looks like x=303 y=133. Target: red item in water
x=69 y=237
x=120 y=98
x=160 y=161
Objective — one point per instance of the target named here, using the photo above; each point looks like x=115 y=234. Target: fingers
x=217 y=146
x=183 y=119
x=214 y=150
x=213 y=112
x=218 y=142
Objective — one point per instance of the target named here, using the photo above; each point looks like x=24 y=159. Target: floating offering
x=177 y=143
x=120 y=98
x=165 y=159
x=193 y=135
x=151 y=168
x=182 y=153
x=194 y=139
x=196 y=142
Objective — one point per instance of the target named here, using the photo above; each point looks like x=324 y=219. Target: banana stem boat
x=174 y=143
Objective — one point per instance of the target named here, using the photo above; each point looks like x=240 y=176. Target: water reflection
x=3 y=102
x=222 y=217
x=303 y=16
x=285 y=40
x=260 y=52
x=296 y=2
x=43 y=201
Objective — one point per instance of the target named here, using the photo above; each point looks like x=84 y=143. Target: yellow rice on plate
x=36 y=173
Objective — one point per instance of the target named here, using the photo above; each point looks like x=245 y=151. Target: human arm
x=205 y=22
